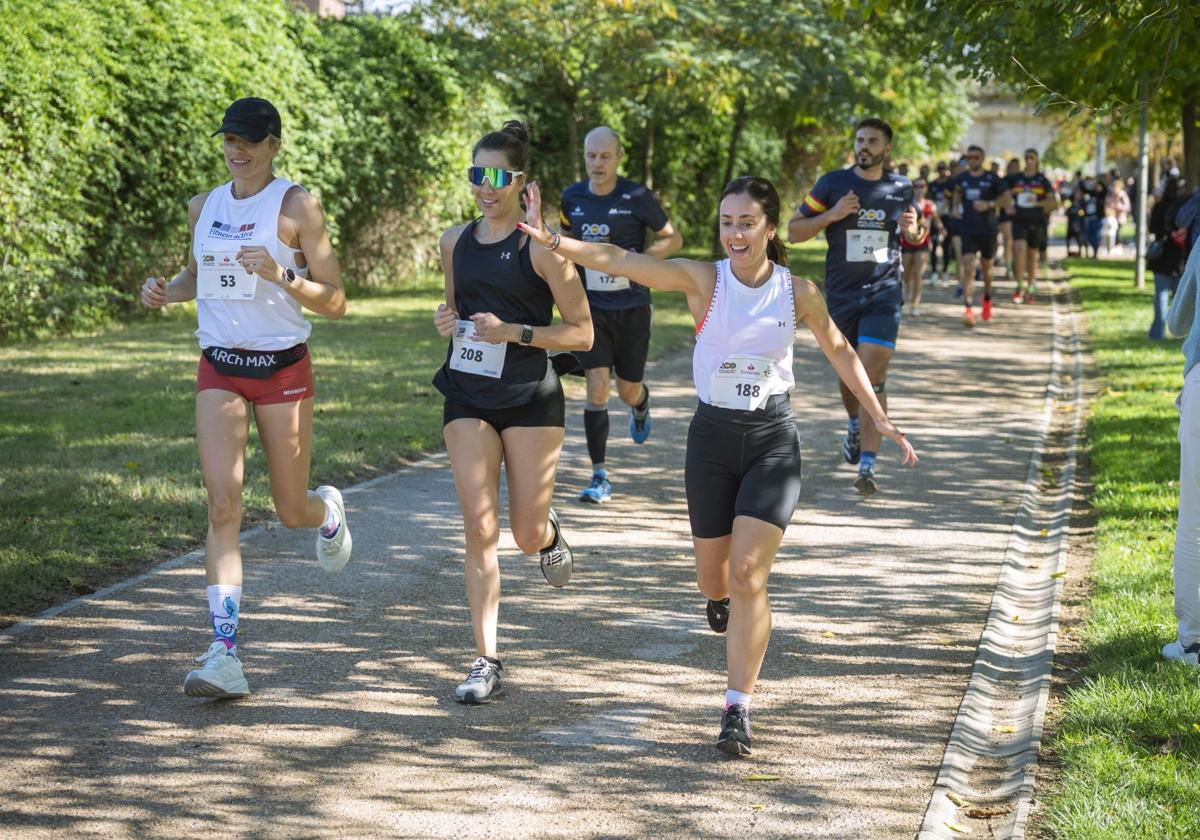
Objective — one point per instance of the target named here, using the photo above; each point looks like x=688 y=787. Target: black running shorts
x=622 y=342
x=547 y=408
x=983 y=244
x=741 y=463
x=1035 y=234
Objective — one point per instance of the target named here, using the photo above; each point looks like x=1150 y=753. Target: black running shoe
x=718 y=614
x=735 y=731
x=851 y=447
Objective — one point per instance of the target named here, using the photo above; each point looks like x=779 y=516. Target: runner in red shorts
x=260 y=253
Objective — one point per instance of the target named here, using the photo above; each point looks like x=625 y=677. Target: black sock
x=494 y=661
x=595 y=426
x=554 y=539
x=644 y=405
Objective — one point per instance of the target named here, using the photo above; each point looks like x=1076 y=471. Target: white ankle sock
x=732 y=697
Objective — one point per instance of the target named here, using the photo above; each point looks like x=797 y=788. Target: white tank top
x=743 y=351
x=271 y=319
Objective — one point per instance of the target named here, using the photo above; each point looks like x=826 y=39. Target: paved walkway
x=614 y=683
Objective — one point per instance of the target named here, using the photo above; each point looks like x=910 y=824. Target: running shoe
x=735 y=731
x=866 y=484
x=986 y=314
x=484 y=681
x=718 y=614
x=915 y=312
x=968 y=317
x=851 y=447
x=1176 y=652
x=557 y=560
x=1030 y=297
x=334 y=552
x=639 y=427
x=599 y=491
x=219 y=675
x=1016 y=296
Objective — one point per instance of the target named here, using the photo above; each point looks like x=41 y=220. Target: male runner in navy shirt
x=609 y=208
x=1034 y=198
x=863 y=211
x=978 y=193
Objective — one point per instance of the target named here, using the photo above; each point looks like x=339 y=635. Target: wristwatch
x=289 y=276
x=526 y=334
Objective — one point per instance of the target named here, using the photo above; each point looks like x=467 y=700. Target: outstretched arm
x=811 y=310
x=667 y=275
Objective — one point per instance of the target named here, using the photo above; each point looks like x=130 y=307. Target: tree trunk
x=1191 y=143
x=648 y=154
x=735 y=137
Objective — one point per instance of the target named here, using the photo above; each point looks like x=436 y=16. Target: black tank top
x=498 y=278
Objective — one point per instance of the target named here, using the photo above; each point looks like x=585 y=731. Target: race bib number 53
x=470 y=355
x=221 y=277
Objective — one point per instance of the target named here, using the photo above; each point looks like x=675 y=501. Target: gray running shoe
x=483 y=682
x=557 y=560
x=866 y=484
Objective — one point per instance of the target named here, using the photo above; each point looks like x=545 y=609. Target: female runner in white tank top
x=260 y=252
x=743 y=459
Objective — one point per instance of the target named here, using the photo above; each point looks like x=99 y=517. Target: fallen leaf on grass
x=1196 y=726
x=828 y=634
x=762 y=777
x=956 y=799
x=958 y=829
x=79 y=586
x=945 y=642
x=132 y=465
x=1015 y=619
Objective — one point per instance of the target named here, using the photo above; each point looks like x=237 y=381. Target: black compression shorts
x=547 y=408
x=622 y=342
x=741 y=463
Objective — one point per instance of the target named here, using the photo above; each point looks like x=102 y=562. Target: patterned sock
x=224 y=606
x=329 y=527
x=736 y=697
x=866 y=461
x=852 y=424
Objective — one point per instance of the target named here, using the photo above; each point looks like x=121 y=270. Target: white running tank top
x=272 y=320
x=743 y=349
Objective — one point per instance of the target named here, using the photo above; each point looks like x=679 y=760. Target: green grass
x=98 y=470
x=1129 y=741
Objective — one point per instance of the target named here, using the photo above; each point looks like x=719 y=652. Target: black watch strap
x=526 y=334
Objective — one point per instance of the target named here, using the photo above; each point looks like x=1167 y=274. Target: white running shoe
x=484 y=681
x=334 y=552
x=220 y=674
x=1176 y=652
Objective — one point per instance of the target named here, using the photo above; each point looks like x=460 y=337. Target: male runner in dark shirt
x=1033 y=200
x=609 y=208
x=863 y=211
x=978 y=193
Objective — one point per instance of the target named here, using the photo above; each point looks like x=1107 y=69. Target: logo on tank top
x=221 y=230
x=506 y=255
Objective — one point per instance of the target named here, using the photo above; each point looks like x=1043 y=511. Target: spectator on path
x=1163 y=256
x=1116 y=208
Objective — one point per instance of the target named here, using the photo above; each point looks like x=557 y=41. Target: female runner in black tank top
x=503 y=400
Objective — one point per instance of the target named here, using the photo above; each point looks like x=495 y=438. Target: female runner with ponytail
x=742 y=471
x=504 y=403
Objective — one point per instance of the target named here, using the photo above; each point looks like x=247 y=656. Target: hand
x=847 y=205
x=533 y=226
x=980 y=205
x=154 y=293
x=443 y=320
x=257 y=260
x=908 y=455
x=491 y=329
x=908 y=220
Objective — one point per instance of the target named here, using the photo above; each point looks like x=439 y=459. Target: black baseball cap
x=251 y=118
